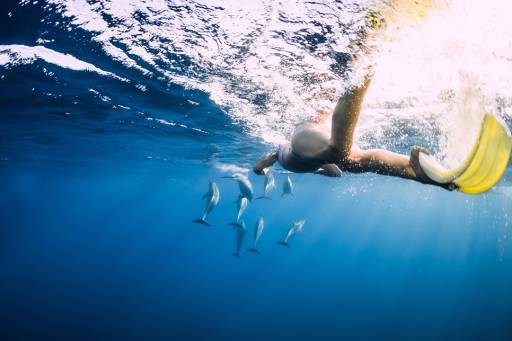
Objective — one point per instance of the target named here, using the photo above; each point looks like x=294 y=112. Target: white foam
x=459 y=60
x=168 y=122
x=229 y=168
x=41 y=41
x=11 y=55
x=440 y=73
x=4 y=58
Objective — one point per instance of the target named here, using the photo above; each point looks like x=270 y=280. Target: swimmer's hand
x=330 y=170
x=265 y=161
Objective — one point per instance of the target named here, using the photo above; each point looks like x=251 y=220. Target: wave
x=12 y=55
x=270 y=65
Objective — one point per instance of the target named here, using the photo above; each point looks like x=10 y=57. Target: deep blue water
x=96 y=240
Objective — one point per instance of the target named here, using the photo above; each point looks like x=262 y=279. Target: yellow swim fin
x=484 y=165
x=405 y=12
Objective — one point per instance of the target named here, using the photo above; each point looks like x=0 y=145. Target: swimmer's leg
x=381 y=162
x=387 y=163
x=345 y=116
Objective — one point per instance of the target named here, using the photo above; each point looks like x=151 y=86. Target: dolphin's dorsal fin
x=204 y=196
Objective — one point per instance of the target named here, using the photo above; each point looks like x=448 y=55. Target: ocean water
x=116 y=114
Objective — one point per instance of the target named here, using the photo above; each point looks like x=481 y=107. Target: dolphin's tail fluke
x=284 y=244
x=264 y=197
x=236 y=254
x=200 y=221
x=253 y=250
x=237 y=225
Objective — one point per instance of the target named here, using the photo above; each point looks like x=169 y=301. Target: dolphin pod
x=245 y=196
x=240 y=236
x=242 y=203
x=268 y=185
x=288 y=187
x=244 y=184
x=293 y=230
x=212 y=199
x=258 y=230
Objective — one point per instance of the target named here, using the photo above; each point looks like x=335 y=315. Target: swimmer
x=313 y=148
x=316 y=150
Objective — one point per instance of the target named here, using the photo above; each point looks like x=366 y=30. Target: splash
x=229 y=168
x=440 y=65
x=454 y=67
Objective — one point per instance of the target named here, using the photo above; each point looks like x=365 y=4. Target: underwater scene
x=129 y=208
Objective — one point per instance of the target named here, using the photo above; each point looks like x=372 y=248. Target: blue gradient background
x=96 y=240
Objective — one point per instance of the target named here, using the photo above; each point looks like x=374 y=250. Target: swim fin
x=482 y=168
x=407 y=11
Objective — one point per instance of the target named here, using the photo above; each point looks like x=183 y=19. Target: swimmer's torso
x=307 y=150
x=310 y=140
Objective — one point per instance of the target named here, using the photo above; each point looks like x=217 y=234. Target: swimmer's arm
x=346 y=114
x=265 y=161
x=329 y=169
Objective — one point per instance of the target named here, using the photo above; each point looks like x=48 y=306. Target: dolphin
x=240 y=236
x=288 y=186
x=242 y=203
x=258 y=230
x=268 y=185
x=244 y=184
x=293 y=230
x=212 y=199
